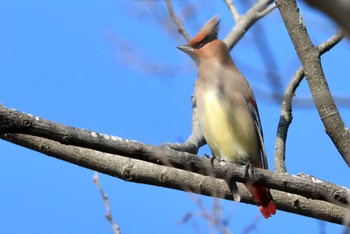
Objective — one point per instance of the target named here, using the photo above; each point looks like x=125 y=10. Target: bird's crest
x=207 y=33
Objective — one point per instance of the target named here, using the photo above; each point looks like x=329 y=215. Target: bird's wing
x=255 y=114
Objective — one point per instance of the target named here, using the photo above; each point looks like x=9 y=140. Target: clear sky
x=65 y=61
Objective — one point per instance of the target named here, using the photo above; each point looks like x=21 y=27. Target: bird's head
x=205 y=45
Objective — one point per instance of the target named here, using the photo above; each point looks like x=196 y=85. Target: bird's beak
x=185 y=48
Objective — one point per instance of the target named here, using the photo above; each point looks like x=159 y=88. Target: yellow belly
x=228 y=135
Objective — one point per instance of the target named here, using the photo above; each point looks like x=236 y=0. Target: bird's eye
x=199 y=45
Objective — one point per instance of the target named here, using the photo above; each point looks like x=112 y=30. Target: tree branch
x=177 y=21
x=285 y=121
x=286 y=109
x=246 y=21
x=105 y=199
x=231 y=6
x=138 y=171
x=309 y=57
x=12 y=121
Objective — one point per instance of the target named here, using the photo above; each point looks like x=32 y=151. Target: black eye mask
x=204 y=41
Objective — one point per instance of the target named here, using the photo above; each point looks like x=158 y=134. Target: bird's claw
x=248 y=170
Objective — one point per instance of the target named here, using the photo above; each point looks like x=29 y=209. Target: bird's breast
x=224 y=127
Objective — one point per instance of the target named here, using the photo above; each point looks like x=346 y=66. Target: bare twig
x=232 y=7
x=267 y=10
x=213 y=218
x=177 y=21
x=285 y=121
x=286 y=109
x=252 y=226
x=132 y=57
x=108 y=214
x=309 y=57
x=331 y=42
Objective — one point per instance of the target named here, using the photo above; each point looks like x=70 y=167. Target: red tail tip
x=269 y=210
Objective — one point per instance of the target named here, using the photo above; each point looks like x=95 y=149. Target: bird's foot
x=212 y=159
x=248 y=170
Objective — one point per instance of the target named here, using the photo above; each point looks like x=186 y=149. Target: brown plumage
x=227 y=110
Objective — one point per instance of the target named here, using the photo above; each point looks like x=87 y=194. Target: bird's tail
x=235 y=191
x=263 y=198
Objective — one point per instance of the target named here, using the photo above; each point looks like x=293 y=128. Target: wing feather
x=255 y=114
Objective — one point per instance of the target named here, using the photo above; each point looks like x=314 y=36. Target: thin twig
x=331 y=42
x=232 y=7
x=108 y=214
x=286 y=110
x=213 y=218
x=177 y=21
x=135 y=58
x=285 y=121
x=252 y=226
x=267 y=11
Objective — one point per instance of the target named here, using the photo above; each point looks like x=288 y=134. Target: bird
x=227 y=110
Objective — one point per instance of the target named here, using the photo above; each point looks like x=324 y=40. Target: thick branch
x=12 y=121
x=148 y=173
x=309 y=57
x=286 y=110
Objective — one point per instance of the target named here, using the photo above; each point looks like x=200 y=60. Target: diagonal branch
x=256 y=12
x=134 y=170
x=12 y=121
x=309 y=57
x=286 y=109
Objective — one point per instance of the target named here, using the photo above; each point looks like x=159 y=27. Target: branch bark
x=286 y=109
x=13 y=122
x=138 y=171
x=309 y=57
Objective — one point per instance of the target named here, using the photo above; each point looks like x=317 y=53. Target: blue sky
x=59 y=60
